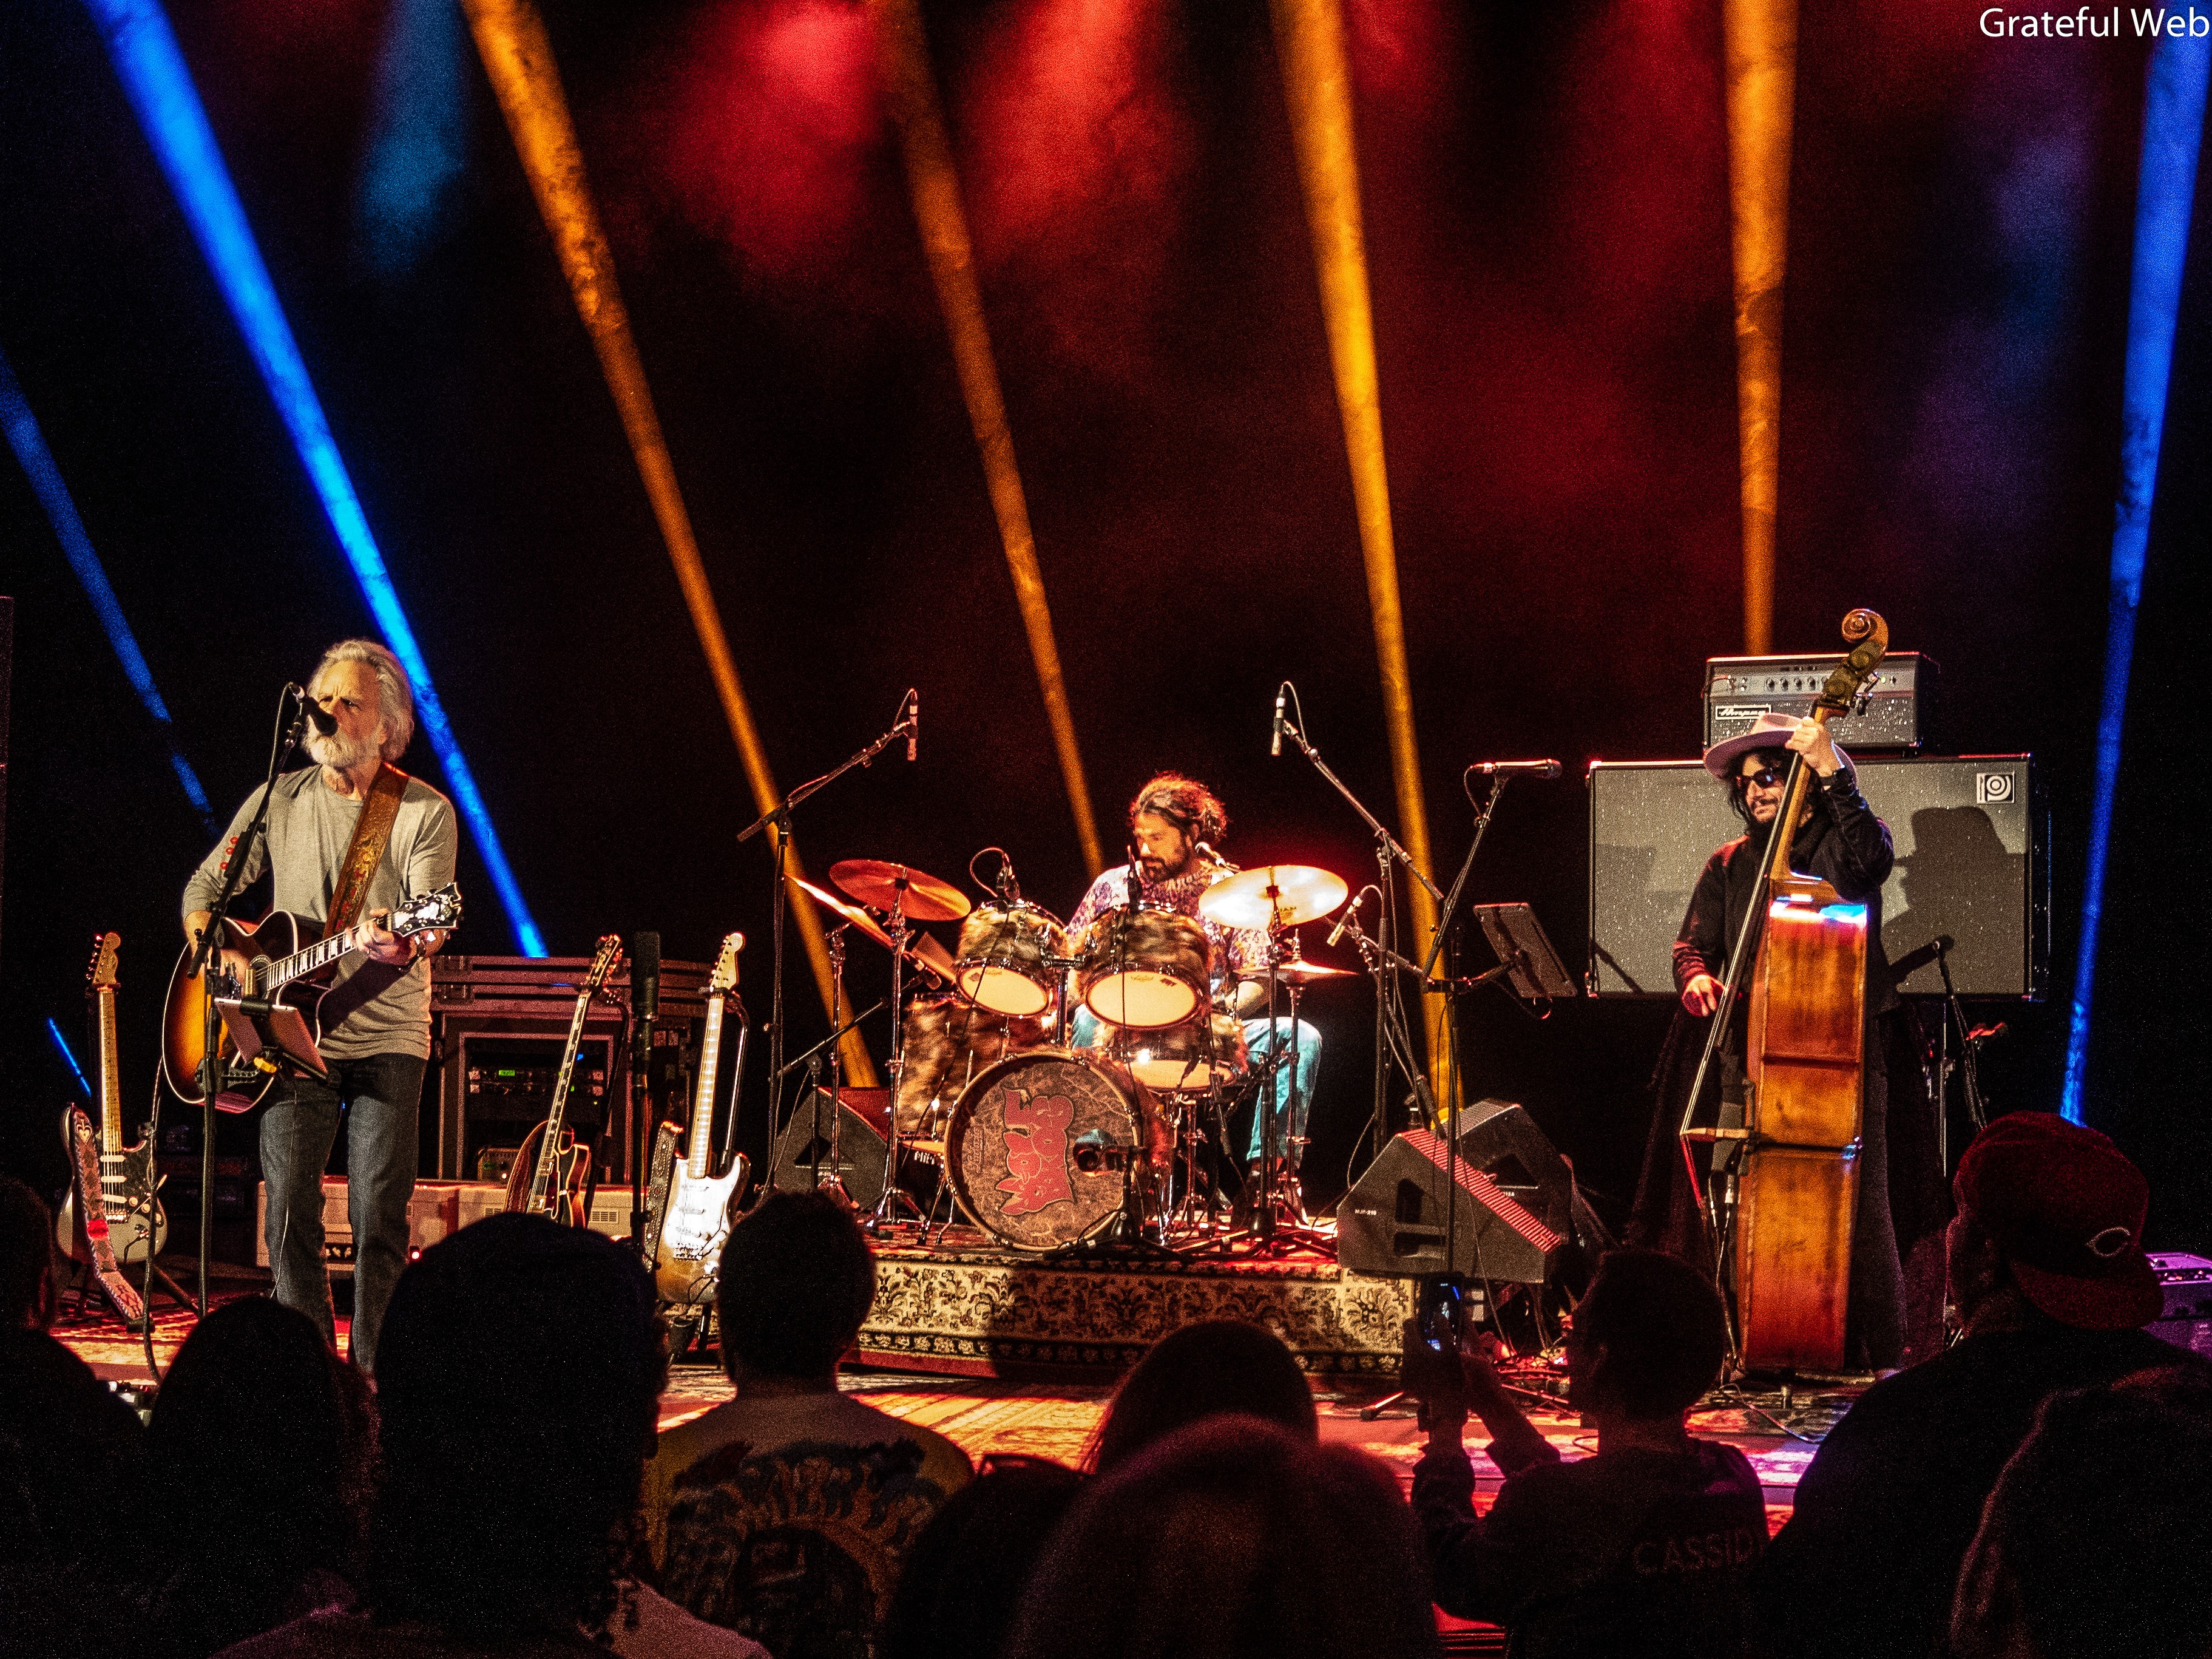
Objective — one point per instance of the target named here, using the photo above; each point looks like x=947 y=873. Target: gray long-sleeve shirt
x=373 y=1008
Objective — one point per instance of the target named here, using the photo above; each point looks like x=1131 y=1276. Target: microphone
x=1008 y=885
x=1275 y=747
x=914 y=721
x=325 y=724
x=645 y=976
x=1344 y=920
x=1207 y=852
x=1516 y=768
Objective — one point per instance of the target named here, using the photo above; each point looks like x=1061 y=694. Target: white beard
x=340 y=752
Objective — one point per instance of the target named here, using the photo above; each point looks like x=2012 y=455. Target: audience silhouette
x=1197 y=1372
x=963 y=1577
x=1643 y=1549
x=787 y=1512
x=2050 y=1285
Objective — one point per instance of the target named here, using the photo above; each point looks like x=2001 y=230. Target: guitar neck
x=111 y=1083
x=275 y=975
x=702 y=1102
x=549 y=1149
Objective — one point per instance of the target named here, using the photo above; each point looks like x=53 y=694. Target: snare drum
x=1146 y=968
x=1006 y=961
x=1185 y=1059
x=1052 y=1147
x=949 y=1040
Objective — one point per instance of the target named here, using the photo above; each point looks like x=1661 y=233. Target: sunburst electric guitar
x=696 y=1214
x=551 y=1169
x=111 y=1216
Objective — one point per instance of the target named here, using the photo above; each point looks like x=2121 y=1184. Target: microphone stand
x=1387 y=851
x=205 y=958
x=779 y=816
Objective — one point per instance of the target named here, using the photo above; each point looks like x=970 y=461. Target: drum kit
x=1044 y=1144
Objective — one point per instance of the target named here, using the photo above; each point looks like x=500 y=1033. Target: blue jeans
x=1083 y=1031
x=380 y=1094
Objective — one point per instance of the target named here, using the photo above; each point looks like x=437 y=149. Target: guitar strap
x=372 y=834
x=92 y=1210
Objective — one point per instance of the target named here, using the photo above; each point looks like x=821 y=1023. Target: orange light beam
x=1761 y=45
x=934 y=183
x=511 y=38
x=1317 y=86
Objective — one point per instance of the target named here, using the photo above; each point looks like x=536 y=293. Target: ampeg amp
x=1893 y=715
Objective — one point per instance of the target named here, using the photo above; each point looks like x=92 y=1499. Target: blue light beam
x=68 y=1055
x=29 y=444
x=151 y=65
x=2173 y=130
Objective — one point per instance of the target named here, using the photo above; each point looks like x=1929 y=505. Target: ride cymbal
x=1272 y=895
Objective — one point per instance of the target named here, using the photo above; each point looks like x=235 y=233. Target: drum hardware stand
x=1388 y=851
x=778 y=818
x=881 y=1216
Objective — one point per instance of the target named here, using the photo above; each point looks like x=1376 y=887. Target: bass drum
x=948 y=1041
x=1052 y=1148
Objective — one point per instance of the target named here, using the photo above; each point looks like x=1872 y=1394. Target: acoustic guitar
x=696 y=1215
x=286 y=954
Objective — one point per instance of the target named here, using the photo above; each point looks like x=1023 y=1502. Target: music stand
x=1533 y=971
x=258 y=1025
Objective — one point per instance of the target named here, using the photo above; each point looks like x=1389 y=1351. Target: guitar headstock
x=439 y=909
x=100 y=976
x=603 y=964
x=724 y=977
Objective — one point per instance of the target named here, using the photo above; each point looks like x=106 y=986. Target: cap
x=2065 y=1207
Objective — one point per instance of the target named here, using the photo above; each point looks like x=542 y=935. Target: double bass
x=1788 y=1242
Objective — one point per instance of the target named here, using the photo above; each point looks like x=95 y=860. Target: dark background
x=1547 y=217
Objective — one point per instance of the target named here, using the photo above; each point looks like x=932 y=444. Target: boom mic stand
x=778 y=817
x=205 y=960
x=1388 y=851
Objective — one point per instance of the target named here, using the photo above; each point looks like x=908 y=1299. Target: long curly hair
x=1185 y=802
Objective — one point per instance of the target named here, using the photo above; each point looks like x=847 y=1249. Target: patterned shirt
x=1245 y=949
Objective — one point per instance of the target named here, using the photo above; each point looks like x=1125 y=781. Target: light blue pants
x=1278 y=1096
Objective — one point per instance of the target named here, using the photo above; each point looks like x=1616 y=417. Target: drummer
x=1170 y=820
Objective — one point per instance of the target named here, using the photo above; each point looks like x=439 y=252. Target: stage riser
x=1086 y=1317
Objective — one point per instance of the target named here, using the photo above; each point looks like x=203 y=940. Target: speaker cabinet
x=803 y=1152
x=1969 y=834
x=1396 y=1217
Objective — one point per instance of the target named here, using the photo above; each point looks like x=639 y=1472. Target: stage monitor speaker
x=1504 y=1142
x=1396 y=1217
x=1969 y=834
x=802 y=1156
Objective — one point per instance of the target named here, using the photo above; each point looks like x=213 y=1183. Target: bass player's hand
x=1702 y=995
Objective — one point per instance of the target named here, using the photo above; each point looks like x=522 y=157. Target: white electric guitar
x=695 y=1218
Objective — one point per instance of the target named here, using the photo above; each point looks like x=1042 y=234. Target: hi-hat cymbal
x=1302 y=972
x=1272 y=895
x=872 y=881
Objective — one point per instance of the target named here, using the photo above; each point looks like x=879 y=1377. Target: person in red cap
x=2049 y=1287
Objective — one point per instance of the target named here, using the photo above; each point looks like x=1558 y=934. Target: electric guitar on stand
x=695 y=1216
x=112 y=1216
x=551 y=1170
x=285 y=953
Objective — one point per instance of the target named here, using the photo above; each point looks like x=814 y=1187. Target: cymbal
x=872 y=881
x=1272 y=895
x=851 y=914
x=921 y=949
x=1302 y=972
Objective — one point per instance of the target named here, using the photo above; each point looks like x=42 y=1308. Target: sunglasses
x=1766 y=777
